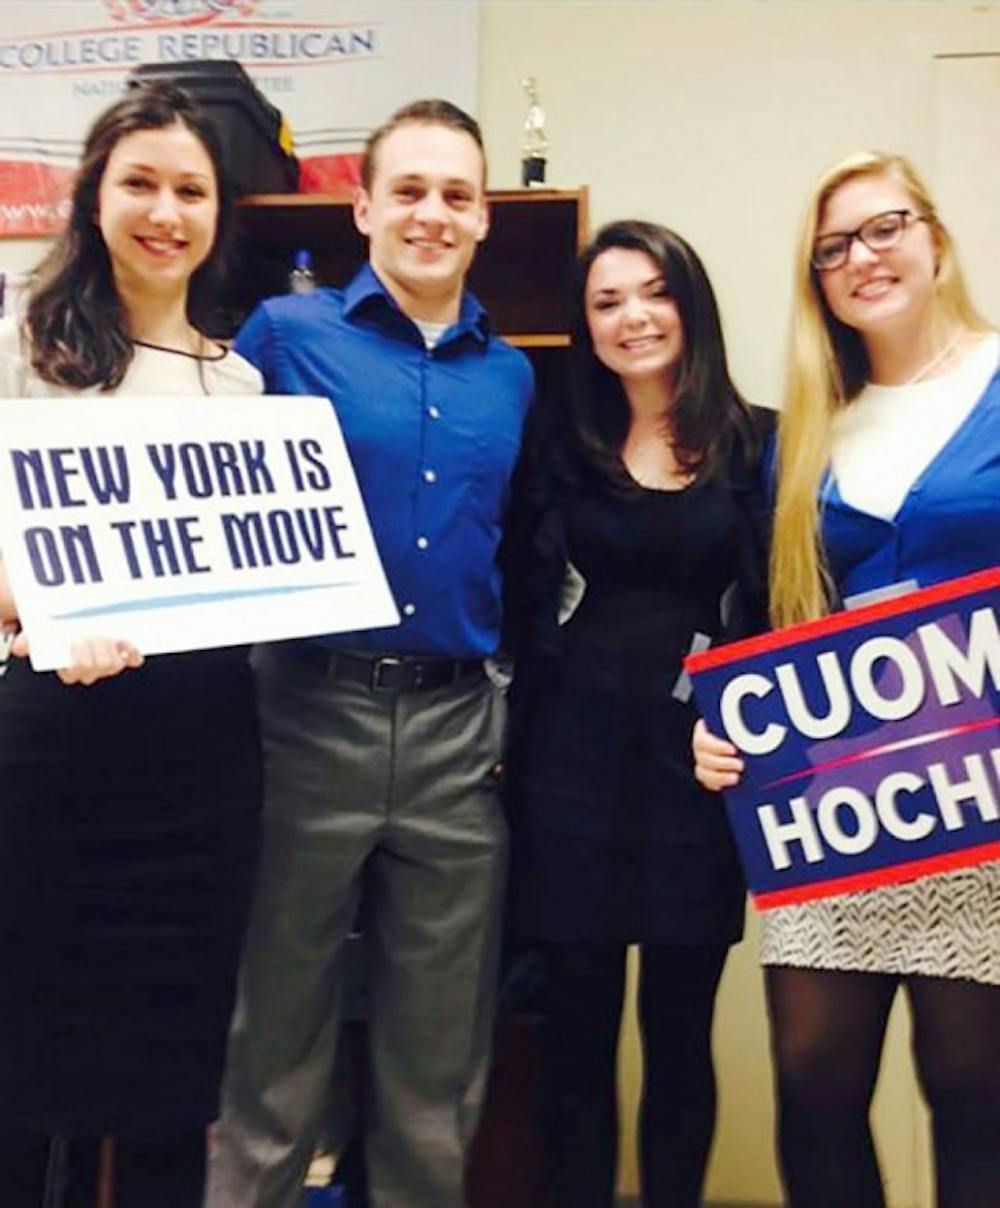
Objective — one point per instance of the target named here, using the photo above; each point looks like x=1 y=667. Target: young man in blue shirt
x=382 y=746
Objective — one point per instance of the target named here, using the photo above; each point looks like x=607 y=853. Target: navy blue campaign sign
x=871 y=742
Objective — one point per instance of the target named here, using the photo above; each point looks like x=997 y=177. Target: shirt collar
x=366 y=290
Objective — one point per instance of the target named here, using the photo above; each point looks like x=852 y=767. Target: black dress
x=614 y=840
x=128 y=824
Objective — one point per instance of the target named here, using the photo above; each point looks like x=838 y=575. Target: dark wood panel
x=522 y=273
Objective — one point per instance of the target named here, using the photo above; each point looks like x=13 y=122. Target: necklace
x=180 y=352
x=937 y=359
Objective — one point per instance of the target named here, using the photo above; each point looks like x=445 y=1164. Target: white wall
x=714 y=117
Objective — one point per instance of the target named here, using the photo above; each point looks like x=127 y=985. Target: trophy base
x=532 y=172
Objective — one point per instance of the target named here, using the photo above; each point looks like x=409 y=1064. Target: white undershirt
x=432 y=332
x=886 y=438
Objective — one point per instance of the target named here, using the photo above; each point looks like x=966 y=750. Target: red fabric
x=34 y=198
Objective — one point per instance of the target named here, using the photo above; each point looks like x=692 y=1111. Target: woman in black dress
x=128 y=809
x=641 y=521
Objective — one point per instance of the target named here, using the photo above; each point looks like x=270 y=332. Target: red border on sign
x=895 y=875
x=838 y=621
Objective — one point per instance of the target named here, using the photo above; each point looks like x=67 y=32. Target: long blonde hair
x=827 y=366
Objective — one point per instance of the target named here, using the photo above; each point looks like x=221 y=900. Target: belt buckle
x=380 y=666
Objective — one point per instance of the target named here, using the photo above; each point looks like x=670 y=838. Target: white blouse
x=914 y=422
x=153 y=371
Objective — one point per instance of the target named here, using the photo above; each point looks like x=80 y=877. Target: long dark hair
x=709 y=416
x=75 y=321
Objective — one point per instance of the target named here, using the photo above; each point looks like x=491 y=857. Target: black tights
x=827 y=1029
x=62 y=1172
x=586 y=985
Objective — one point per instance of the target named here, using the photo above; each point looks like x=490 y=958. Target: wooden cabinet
x=522 y=273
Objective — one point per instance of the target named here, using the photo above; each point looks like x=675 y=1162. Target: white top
x=432 y=332
x=886 y=438
x=153 y=371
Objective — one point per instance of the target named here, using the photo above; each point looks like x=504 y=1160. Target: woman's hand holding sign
x=90 y=660
x=716 y=763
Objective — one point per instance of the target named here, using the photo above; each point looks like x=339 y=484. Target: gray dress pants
x=401 y=791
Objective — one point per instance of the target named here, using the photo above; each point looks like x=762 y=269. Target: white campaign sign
x=181 y=524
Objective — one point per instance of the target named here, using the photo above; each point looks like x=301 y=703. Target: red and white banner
x=335 y=69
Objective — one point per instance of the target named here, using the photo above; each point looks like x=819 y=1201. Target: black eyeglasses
x=877 y=234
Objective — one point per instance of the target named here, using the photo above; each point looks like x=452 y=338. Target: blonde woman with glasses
x=887 y=473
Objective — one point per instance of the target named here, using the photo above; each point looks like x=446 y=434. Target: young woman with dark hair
x=128 y=809
x=80 y=327
x=643 y=545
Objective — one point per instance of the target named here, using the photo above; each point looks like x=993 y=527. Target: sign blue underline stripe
x=207 y=597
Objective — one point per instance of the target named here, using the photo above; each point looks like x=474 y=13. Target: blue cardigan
x=947 y=526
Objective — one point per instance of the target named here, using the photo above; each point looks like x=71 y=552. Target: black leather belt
x=391 y=673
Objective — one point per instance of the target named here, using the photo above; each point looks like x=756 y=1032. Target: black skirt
x=128 y=832
x=614 y=839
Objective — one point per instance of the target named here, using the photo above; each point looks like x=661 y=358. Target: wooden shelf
x=536 y=341
x=523 y=272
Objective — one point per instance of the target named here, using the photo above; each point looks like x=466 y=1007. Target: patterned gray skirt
x=946 y=925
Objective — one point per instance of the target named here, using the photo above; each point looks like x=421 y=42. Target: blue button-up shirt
x=433 y=436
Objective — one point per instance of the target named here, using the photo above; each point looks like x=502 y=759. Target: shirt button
x=422 y=543
x=409 y=610
x=433 y=412
x=430 y=476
